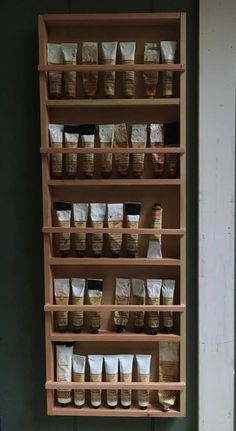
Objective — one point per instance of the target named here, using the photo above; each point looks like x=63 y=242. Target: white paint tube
x=133 y=210
x=126 y=371
x=95 y=365
x=54 y=54
x=64 y=372
x=97 y=215
x=121 y=141
x=115 y=220
x=106 y=135
x=87 y=135
x=150 y=78
x=109 y=57
x=69 y=51
x=62 y=294
x=79 y=376
x=127 y=50
x=56 y=141
x=143 y=365
x=138 y=140
x=111 y=368
x=122 y=297
x=153 y=298
x=71 y=138
x=95 y=287
x=90 y=79
x=77 y=287
x=168 y=372
x=138 y=293
x=80 y=216
x=63 y=215
x=168 y=288
x=168 y=49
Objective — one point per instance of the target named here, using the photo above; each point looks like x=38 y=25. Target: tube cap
x=120 y=329
x=126 y=407
x=168 y=330
x=115 y=254
x=138 y=329
x=77 y=329
x=153 y=331
x=143 y=407
x=62 y=328
x=94 y=331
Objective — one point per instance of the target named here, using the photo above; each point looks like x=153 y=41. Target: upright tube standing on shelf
x=90 y=79
x=143 y=365
x=78 y=287
x=54 y=53
x=127 y=50
x=71 y=138
x=56 y=141
x=168 y=49
x=122 y=297
x=87 y=134
x=111 y=368
x=138 y=291
x=64 y=372
x=115 y=220
x=157 y=140
x=168 y=289
x=95 y=365
x=109 y=57
x=172 y=138
x=63 y=214
x=154 y=247
x=95 y=287
x=69 y=51
x=121 y=141
x=126 y=371
x=138 y=140
x=106 y=135
x=97 y=215
x=133 y=210
x=62 y=294
x=150 y=78
x=80 y=216
x=79 y=376
x=168 y=372
x=153 y=298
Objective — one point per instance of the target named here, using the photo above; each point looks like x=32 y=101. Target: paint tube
x=138 y=293
x=80 y=215
x=79 y=376
x=154 y=245
x=172 y=138
x=127 y=50
x=157 y=140
x=115 y=220
x=78 y=287
x=95 y=298
x=111 y=368
x=138 y=140
x=87 y=134
x=69 y=51
x=150 y=78
x=168 y=372
x=62 y=294
x=64 y=372
x=95 y=365
x=56 y=141
x=63 y=215
x=54 y=54
x=143 y=366
x=168 y=288
x=90 y=79
x=132 y=210
x=109 y=57
x=121 y=141
x=168 y=49
x=71 y=138
x=106 y=134
x=122 y=297
x=153 y=298
x=126 y=371
x=97 y=215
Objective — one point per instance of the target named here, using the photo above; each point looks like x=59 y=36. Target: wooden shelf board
x=172 y=150
x=122 y=261
x=152 y=386
x=111 y=67
x=108 y=336
x=111 y=103
x=105 y=230
x=115 y=182
x=108 y=307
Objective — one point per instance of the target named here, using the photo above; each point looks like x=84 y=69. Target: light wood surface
x=111 y=103
x=108 y=307
x=112 y=337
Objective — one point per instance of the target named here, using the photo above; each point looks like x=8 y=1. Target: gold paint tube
x=121 y=141
x=127 y=50
x=77 y=287
x=138 y=140
x=69 y=51
x=97 y=215
x=106 y=134
x=111 y=368
x=126 y=371
x=138 y=293
x=71 y=138
x=95 y=298
x=79 y=376
x=168 y=49
x=63 y=214
x=95 y=365
x=153 y=298
x=168 y=372
x=54 y=54
x=87 y=135
x=143 y=365
x=64 y=372
x=62 y=294
x=122 y=297
x=157 y=140
x=90 y=79
x=80 y=215
x=168 y=288
x=56 y=141
x=109 y=57
x=115 y=220
x=132 y=210
x=150 y=78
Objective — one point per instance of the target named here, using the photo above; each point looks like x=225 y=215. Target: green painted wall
x=22 y=342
